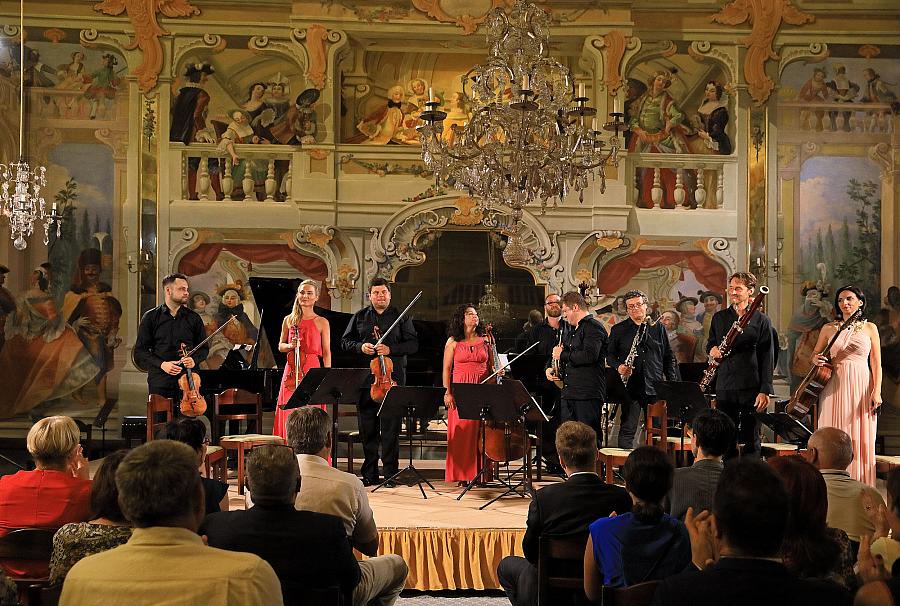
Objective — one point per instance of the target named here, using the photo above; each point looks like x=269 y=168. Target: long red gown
x=311 y=346
x=469 y=366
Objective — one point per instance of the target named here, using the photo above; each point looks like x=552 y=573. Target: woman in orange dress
x=311 y=331
x=851 y=398
x=465 y=361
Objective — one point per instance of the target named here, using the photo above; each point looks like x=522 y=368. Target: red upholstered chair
x=31 y=545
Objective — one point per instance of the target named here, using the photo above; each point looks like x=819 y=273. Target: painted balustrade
x=685 y=181
x=262 y=173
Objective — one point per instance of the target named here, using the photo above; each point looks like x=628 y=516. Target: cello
x=192 y=403
x=810 y=388
x=502 y=441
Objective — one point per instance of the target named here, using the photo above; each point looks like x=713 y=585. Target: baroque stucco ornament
x=766 y=17
x=147 y=30
x=456 y=12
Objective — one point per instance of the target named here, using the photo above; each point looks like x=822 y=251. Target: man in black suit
x=562 y=509
x=307 y=550
x=695 y=486
x=654 y=361
x=744 y=535
x=744 y=378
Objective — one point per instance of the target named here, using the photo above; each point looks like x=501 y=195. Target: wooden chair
x=611 y=457
x=157 y=405
x=243 y=444
x=557 y=556
x=635 y=595
x=236 y=405
x=216 y=463
x=657 y=430
x=348 y=437
x=44 y=595
x=33 y=545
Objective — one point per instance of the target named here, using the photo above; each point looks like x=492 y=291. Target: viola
x=502 y=441
x=192 y=403
x=382 y=369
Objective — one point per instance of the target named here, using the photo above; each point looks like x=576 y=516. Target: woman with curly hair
x=465 y=361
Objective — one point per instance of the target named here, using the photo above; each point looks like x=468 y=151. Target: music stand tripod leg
x=410 y=417
x=525 y=469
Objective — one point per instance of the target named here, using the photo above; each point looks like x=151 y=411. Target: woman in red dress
x=310 y=331
x=465 y=361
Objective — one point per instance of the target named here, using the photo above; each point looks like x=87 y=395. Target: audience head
x=751 y=509
x=53 y=442
x=104 y=494
x=159 y=485
x=713 y=432
x=309 y=430
x=829 y=448
x=273 y=475
x=187 y=430
x=648 y=478
x=576 y=444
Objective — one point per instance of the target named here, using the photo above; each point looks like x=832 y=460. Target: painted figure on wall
x=103 y=85
x=7 y=304
x=689 y=325
x=383 y=126
x=418 y=96
x=255 y=104
x=683 y=345
x=219 y=346
x=277 y=100
x=458 y=114
x=803 y=330
x=711 y=120
x=188 y=125
x=712 y=302
x=842 y=91
x=241 y=334
x=814 y=90
x=298 y=126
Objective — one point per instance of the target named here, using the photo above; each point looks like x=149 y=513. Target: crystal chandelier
x=20 y=192
x=491 y=308
x=531 y=137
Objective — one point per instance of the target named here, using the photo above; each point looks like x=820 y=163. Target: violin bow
x=397 y=321
x=206 y=340
x=508 y=362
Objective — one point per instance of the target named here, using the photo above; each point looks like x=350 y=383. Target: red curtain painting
x=617 y=273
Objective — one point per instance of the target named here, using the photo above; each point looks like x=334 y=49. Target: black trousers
x=375 y=432
x=739 y=404
x=631 y=413
x=586 y=411
x=519 y=579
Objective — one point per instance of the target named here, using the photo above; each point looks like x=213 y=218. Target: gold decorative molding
x=54 y=35
x=147 y=31
x=614 y=42
x=315 y=36
x=437 y=10
x=467 y=212
x=869 y=51
x=765 y=17
x=882 y=155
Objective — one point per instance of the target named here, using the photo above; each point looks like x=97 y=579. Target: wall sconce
x=761 y=270
x=142 y=263
x=342 y=286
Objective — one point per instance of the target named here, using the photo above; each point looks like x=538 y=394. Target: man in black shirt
x=162 y=331
x=654 y=361
x=582 y=357
x=744 y=378
x=359 y=338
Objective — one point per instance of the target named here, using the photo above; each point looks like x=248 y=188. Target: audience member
x=830 y=450
x=192 y=431
x=165 y=560
x=57 y=492
x=338 y=493
x=107 y=528
x=713 y=433
x=308 y=550
x=878 y=566
x=644 y=545
x=562 y=509
x=737 y=548
x=887 y=524
x=810 y=549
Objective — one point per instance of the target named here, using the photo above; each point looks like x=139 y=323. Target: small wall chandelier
x=20 y=192
x=531 y=137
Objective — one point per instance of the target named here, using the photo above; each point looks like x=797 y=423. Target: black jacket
x=403 y=340
x=583 y=357
x=654 y=362
x=568 y=508
x=547 y=336
x=307 y=550
x=751 y=361
x=158 y=338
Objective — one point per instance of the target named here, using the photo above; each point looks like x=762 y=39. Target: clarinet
x=725 y=347
x=633 y=352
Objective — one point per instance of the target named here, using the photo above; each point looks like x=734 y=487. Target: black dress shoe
x=390 y=484
x=369 y=481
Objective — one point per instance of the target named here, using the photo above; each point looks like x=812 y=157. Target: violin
x=502 y=441
x=192 y=403
x=297 y=371
x=382 y=369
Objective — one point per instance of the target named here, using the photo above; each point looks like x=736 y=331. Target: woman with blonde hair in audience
x=57 y=492
x=107 y=529
x=810 y=549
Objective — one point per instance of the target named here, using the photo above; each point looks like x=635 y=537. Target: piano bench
x=349 y=437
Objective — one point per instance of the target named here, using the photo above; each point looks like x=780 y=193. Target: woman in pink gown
x=465 y=361
x=852 y=396
x=312 y=333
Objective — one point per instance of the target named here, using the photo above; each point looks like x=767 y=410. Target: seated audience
x=165 y=561
x=694 y=486
x=308 y=550
x=644 y=545
x=887 y=525
x=810 y=549
x=106 y=529
x=881 y=577
x=192 y=431
x=737 y=548
x=830 y=450
x=562 y=509
x=57 y=492
x=338 y=493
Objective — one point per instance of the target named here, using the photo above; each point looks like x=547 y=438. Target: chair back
x=657 y=432
x=237 y=405
x=44 y=595
x=156 y=406
x=27 y=544
x=560 y=566
x=635 y=595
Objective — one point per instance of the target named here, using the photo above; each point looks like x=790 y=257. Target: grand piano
x=260 y=370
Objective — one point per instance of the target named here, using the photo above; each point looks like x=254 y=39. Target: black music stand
x=616 y=394
x=687 y=396
x=411 y=403
x=330 y=385
x=785 y=427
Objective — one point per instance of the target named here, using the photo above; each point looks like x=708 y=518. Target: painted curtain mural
x=63 y=335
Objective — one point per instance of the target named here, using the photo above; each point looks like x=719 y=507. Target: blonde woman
x=303 y=328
